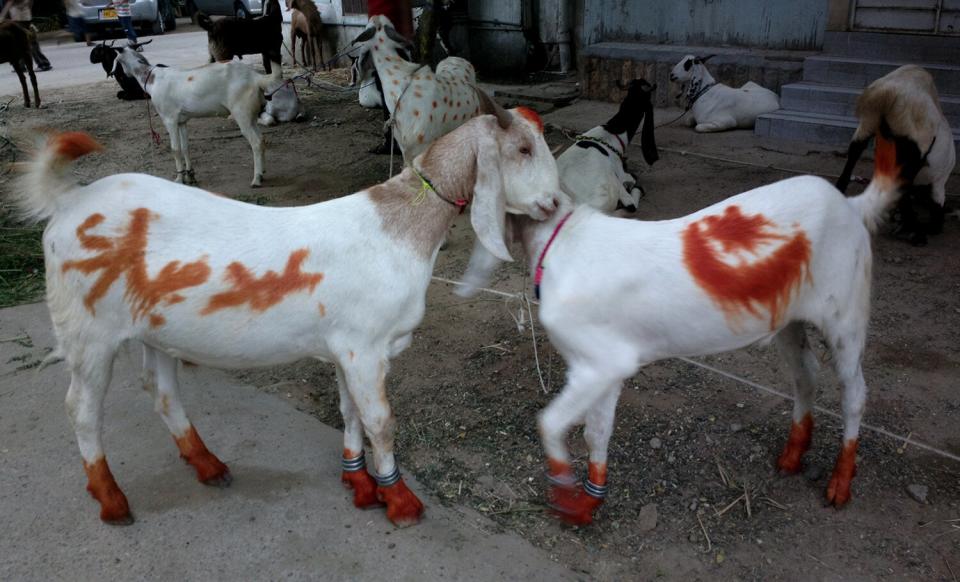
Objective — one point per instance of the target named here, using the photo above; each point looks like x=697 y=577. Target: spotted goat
x=422 y=104
x=752 y=268
x=132 y=257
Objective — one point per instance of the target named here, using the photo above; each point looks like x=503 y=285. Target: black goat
x=230 y=37
x=15 y=49
x=106 y=55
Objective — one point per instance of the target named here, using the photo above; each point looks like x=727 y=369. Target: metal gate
x=941 y=17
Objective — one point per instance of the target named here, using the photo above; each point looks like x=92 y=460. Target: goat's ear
x=479 y=269
x=648 y=144
x=489 y=106
x=488 y=214
x=364 y=36
x=706 y=58
x=395 y=36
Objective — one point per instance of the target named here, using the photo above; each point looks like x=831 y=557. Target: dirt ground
x=689 y=444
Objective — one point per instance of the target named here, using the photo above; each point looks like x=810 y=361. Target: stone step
x=835 y=100
x=859 y=72
x=907 y=48
x=821 y=128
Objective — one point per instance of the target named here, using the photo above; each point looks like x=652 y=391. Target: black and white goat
x=754 y=267
x=907 y=98
x=593 y=170
x=716 y=107
x=234 y=37
x=213 y=90
x=106 y=55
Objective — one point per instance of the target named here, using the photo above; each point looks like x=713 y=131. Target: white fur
x=597 y=263
x=411 y=91
x=284 y=104
x=596 y=180
x=360 y=315
x=213 y=90
x=721 y=107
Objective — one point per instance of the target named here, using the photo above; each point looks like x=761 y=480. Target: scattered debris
x=647 y=519
x=918 y=492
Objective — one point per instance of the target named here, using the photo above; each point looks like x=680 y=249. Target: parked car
x=238 y=8
x=150 y=16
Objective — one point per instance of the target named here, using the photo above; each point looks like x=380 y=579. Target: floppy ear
x=396 y=37
x=364 y=36
x=706 y=58
x=648 y=145
x=488 y=214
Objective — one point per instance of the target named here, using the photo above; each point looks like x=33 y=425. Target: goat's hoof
x=256 y=182
x=572 y=505
x=364 y=488
x=221 y=481
x=403 y=507
x=119 y=521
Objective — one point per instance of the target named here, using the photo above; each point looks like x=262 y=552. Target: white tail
x=46 y=177
x=884 y=188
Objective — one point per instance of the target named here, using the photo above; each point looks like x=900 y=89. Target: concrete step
x=907 y=48
x=822 y=128
x=835 y=100
x=859 y=72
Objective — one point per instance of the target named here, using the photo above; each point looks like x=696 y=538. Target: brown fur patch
x=126 y=255
x=264 y=292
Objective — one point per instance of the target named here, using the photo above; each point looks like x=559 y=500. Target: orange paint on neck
x=209 y=468
x=801 y=434
x=531 y=116
x=103 y=488
x=125 y=255
x=768 y=282
x=264 y=292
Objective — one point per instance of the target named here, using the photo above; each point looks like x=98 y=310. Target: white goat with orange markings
x=218 y=282
x=213 y=90
x=753 y=267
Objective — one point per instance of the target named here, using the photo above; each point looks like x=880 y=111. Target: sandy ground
x=467 y=392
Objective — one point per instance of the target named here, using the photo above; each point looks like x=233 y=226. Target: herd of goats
x=201 y=278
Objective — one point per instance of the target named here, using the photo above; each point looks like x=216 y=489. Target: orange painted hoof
x=210 y=470
x=114 y=509
x=364 y=488
x=572 y=505
x=403 y=507
x=791 y=459
x=838 y=491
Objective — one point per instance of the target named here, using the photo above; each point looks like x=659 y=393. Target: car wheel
x=159 y=26
x=171 y=18
x=241 y=11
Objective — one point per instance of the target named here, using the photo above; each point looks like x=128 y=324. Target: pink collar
x=623 y=146
x=538 y=273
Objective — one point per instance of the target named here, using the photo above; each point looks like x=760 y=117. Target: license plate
x=108 y=14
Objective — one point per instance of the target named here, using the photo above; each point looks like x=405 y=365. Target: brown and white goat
x=15 y=49
x=135 y=257
x=306 y=24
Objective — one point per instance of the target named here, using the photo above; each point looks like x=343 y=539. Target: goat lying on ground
x=134 y=257
x=715 y=106
x=283 y=106
x=750 y=268
x=363 y=74
x=234 y=37
x=593 y=170
x=209 y=91
x=909 y=99
x=15 y=49
x=423 y=105
x=306 y=24
x=106 y=55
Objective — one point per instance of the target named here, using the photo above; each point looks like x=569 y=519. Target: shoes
x=44 y=68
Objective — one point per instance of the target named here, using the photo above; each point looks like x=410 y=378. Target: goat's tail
x=265 y=81
x=46 y=178
x=897 y=160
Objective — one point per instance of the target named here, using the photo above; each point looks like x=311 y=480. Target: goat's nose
x=556 y=202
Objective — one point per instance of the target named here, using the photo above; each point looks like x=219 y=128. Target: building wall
x=775 y=24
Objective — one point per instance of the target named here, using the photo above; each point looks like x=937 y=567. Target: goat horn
x=706 y=58
x=489 y=105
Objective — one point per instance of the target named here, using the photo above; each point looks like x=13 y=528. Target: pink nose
x=550 y=206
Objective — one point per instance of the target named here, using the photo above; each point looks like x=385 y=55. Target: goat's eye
x=525 y=150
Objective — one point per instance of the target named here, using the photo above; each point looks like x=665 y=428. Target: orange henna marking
x=73 y=144
x=885 y=157
x=364 y=486
x=126 y=255
x=420 y=138
x=768 y=282
x=531 y=116
x=157 y=320
x=559 y=468
x=102 y=486
x=801 y=433
x=597 y=473
x=403 y=507
x=323 y=310
x=569 y=502
x=838 y=491
x=268 y=290
x=210 y=471
x=190 y=78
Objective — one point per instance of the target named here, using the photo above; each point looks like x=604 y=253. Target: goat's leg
x=587 y=388
x=310 y=52
x=365 y=373
x=802 y=362
x=188 y=175
x=166 y=402
x=267 y=67
x=719 y=123
x=174 y=132
x=251 y=131
x=89 y=380
x=319 y=41
x=33 y=81
x=18 y=67
x=854 y=151
x=847 y=340
x=355 y=475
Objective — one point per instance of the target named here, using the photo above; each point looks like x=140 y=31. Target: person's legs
x=43 y=64
x=127 y=23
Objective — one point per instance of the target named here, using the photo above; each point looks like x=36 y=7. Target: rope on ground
x=730 y=376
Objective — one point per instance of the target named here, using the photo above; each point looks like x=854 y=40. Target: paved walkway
x=285 y=516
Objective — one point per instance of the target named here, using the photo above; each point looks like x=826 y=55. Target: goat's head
x=130 y=59
x=687 y=68
x=380 y=34
x=511 y=170
x=105 y=55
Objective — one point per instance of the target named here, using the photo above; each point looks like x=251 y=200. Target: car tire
x=159 y=26
x=241 y=10
x=171 y=20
